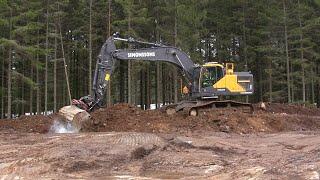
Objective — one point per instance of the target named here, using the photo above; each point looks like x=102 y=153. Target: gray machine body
x=109 y=54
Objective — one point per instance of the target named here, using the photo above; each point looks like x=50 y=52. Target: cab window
x=211 y=75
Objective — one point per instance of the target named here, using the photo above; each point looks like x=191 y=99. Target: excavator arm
x=109 y=55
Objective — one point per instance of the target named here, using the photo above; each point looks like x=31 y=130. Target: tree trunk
x=46 y=63
x=9 y=70
x=31 y=91
x=270 y=73
x=303 y=84
x=38 y=78
x=2 y=85
x=129 y=83
x=292 y=83
x=122 y=81
x=260 y=79
x=129 y=62
x=158 y=84
x=270 y=80
x=9 y=83
x=147 y=87
x=55 y=72
x=164 y=84
x=171 y=88
x=142 y=89
x=65 y=64
x=301 y=56
x=287 y=51
x=109 y=34
x=22 y=112
x=175 y=76
x=90 y=50
x=318 y=85
x=312 y=84
x=175 y=85
x=245 y=41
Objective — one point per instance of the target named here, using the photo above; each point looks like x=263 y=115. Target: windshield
x=211 y=75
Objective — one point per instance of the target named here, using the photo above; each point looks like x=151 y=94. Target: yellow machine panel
x=224 y=80
x=229 y=82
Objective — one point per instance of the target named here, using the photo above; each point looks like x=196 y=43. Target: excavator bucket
x=75 y=116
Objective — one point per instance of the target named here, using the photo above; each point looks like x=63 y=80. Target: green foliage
x=3 y=4
x=248 y=33
x=28 y=81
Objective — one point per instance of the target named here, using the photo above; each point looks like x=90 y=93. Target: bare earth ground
x=123 y=142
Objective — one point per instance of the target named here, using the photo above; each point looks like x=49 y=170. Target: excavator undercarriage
x=192 y=108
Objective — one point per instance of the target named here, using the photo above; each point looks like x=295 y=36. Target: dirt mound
x=291 y=109
x=123 y=117
x=126 y=118
x=34 y=124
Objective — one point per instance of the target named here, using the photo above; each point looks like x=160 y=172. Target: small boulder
x=263 y=106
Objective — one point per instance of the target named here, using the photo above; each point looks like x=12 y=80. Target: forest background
x=277 y=40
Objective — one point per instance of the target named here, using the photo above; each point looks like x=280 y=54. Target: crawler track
x=193 y=107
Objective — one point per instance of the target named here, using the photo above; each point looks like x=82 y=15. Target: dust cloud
x=59 y=126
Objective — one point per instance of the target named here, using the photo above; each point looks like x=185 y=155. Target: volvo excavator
x=207 y=83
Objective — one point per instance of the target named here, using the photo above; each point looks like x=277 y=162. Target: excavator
x=207 y=84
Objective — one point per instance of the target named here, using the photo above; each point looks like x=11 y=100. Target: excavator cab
x=204 y=78
x=213 y=80
x=210 y=74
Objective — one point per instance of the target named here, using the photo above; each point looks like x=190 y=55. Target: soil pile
x=30 y=124
x=291 y=109
x=124 y=118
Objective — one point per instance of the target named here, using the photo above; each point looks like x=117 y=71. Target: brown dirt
x=124 y=118
x=217 y=144
x=291 y=109
x=156 y=156
x=31 y=124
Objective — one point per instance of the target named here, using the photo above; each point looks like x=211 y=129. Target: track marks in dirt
x=137 y=139
x=77 y=166
x=218 y=155
x=179 y=145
